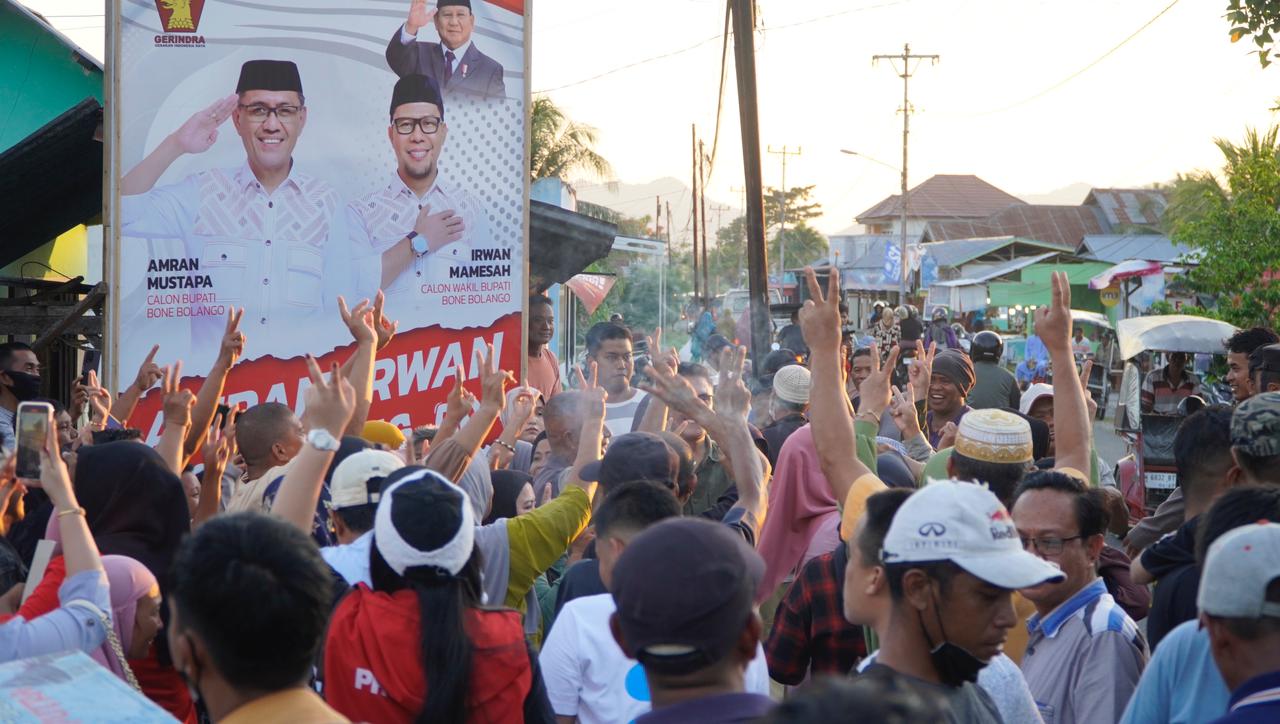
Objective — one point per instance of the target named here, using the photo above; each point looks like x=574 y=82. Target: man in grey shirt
x=1084 y=655
x=952 y=560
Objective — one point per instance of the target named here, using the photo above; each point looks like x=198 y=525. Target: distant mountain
x=638 y=200
x=1071 y=195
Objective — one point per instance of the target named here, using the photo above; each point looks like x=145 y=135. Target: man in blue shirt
x=1239 y=604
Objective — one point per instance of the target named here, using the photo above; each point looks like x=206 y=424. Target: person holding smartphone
x=84 y=612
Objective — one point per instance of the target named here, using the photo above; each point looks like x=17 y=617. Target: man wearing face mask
x=952 y=560
x=246 y=656
x=19 y=382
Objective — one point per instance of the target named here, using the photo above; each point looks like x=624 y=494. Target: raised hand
x=330 y=403
x=219 y=445
x=675 y=390
x=232 y=338
x=494 y=381
x=359 y=321
x=148 y=373
x=1085 y=370
x=384 y=328
x=733 y=399
x=1053 y=321
x=177 y=402
x=874 y=392
x=592 y=381
x=902 y=408
x=947 y=436
x=99 y=398
x=8 y=483
x=439 y=229
x=921 y=369
x=200 y=131
x=419 y=15
x=460 y=402
x=522 y=408
x=820 y=315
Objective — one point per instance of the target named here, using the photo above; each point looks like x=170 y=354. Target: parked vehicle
x=1147 y=475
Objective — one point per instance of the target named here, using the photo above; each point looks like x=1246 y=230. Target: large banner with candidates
x=275 y=156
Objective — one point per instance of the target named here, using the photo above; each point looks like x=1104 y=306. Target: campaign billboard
x=274 y=156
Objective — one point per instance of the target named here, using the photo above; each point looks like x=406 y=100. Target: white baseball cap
x=349 y=486
x=791 y=384
x=1237 y=570
x=1032 y=394
x=964 y=523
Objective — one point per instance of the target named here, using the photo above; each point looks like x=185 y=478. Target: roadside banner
x=274 y=156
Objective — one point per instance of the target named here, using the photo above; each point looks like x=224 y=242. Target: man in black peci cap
x=693 y=626
x=454 y=63
x=420 y=217
x=267 y=234
x=1264 y=369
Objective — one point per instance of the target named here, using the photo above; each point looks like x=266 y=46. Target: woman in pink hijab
x=135 y=611
x=803 y=520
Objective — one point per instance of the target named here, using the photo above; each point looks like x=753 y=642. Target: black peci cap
x=269 y=75
x=416 y=89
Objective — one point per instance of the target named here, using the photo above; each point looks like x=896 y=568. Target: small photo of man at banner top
x=421 y=219
x=455 y=64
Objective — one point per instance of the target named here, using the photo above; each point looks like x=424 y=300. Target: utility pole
x=744 y=54
x=782 y=235
x=696 y=296
x=906 y=57
x=702 y=202
x=719 y=209
x=743 y=191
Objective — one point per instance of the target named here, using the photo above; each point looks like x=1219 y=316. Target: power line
x=1085 y=69
x=701 y=43
x=724 y=57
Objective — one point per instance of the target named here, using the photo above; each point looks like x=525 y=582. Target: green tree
x=1256 y=19
x=1236 y=229
x=805 y=245
x=560 y=146
x=799 y=207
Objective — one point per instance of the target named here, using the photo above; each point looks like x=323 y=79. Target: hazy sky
x=1149 y=110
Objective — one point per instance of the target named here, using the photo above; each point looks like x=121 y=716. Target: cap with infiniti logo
x=964 y=523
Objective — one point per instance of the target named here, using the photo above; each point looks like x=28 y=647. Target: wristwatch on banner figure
x=321 y=439
x=418 y=243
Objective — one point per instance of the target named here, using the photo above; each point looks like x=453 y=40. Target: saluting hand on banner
x=419 y=15
x=200 y=131
x=439 y=229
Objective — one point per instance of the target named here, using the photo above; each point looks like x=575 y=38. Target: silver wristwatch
x=320 y=439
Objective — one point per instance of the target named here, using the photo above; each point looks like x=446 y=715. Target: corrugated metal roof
x=1115 y=248
x=1129 y=207
x=957 y=252
x=1059 y=225
x=998 y=271
x=943 y=197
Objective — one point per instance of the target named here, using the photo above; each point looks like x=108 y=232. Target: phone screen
x=33 y=436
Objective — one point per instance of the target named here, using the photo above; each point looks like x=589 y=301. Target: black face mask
x=954 y=664
x=24 y=386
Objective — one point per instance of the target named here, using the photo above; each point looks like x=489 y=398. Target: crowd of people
x=837 y=537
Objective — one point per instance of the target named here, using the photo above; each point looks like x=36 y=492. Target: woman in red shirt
x=472 y=663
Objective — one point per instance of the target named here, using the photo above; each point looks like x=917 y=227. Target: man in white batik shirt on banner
x=269 y=237
x=421 y=223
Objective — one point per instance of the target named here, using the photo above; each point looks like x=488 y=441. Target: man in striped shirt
x=1084 y=655
x=1164 y=387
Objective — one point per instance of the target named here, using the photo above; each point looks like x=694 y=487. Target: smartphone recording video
x=35 y=424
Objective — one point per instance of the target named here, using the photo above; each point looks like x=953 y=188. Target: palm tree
x=560 y=145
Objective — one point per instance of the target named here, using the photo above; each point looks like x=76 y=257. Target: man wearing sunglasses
x=420 y=222
x=267 y=236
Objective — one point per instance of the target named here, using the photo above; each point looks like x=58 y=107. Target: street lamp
x=902 y=256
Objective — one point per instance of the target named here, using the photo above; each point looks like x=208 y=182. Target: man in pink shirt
x=544 y=368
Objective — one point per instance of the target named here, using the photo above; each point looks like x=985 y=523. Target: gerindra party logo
x=182 y=19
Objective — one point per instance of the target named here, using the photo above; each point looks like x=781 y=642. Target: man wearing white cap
x=1239 y=603
x=354 y=492
x=788 y=407
x=1084 y=655
x=952 y=560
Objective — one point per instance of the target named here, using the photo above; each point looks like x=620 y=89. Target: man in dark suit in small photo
x=455 y=64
